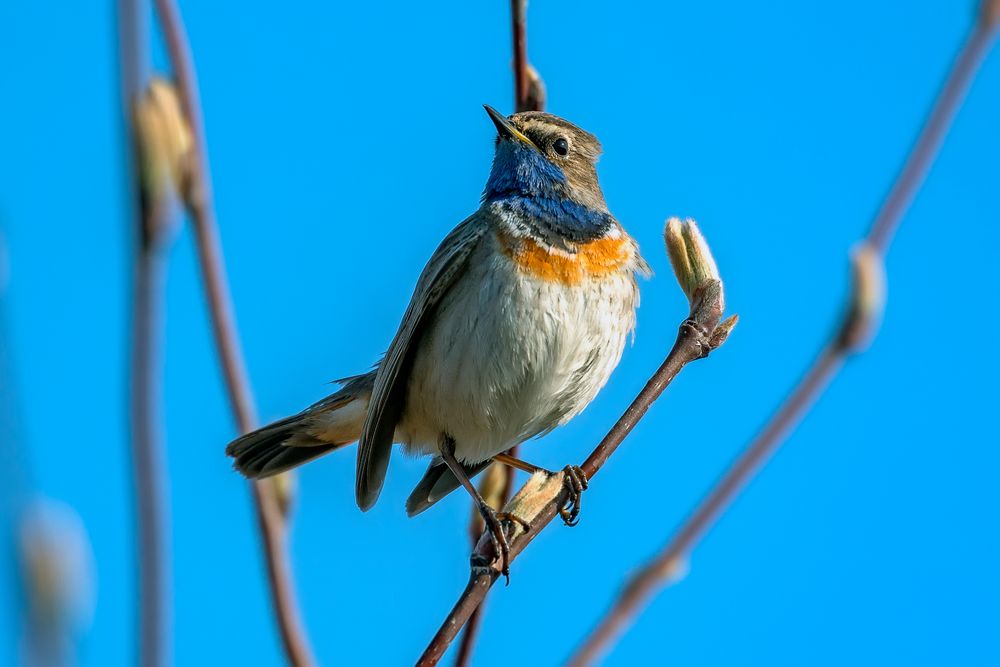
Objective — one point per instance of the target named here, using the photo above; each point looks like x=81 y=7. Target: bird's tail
x=327 y=425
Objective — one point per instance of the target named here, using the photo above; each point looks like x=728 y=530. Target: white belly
x=510 y=356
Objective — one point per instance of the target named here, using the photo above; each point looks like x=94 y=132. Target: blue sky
x=346 y=139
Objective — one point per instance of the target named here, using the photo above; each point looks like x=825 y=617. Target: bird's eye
x=561 y=146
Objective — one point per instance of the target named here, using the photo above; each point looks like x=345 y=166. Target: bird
x=515 y=324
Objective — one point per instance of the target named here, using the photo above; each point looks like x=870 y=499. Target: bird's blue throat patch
x=526 y=186
x=556 y=221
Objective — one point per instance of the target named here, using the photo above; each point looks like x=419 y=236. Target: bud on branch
x=164 y=140
x=867 y=300
x=690 y=256
x=698 y=276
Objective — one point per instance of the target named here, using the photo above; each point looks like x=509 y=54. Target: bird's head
x=542 y=156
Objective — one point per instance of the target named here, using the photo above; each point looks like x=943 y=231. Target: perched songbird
x=516 y=323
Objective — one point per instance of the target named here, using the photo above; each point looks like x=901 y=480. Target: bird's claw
x=497 y=524
x=575 y=481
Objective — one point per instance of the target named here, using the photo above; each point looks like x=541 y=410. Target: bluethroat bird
x=516 y=323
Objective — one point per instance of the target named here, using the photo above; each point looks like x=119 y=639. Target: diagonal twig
x=851 y=336
x=529 y=95
x=198 y=197
x=540 y=500
x=496 y=488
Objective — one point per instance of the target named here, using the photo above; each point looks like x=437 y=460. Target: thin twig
x=856 y=328
x=518 y=12
x=696 y=337
x=198 y=196
x=497 y=498
x=20 y=478
x=145 y=378
x=147 y=449
x=529 y=95
x=464 y=652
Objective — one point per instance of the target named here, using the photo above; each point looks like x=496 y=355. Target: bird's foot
x=498 y=524
x=576 y=482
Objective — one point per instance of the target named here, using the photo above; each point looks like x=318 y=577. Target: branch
x=197 y=194
x=529 y=91
x=496 y=488
x=149 y=468
x=539 y=501
x=529 y=95
x=857 y=327
x=145 y=380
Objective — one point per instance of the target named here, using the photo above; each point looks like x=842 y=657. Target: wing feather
x=446 y=265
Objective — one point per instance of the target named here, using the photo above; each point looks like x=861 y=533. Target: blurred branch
x=56 y=572
x=18 y=478
x=529 y=91
x=197 y=194
x=149 y=469
x=133 y=51
x=529 y=95
x=857 y=327
x=518 y=19
x=539 y=501
x=147 y=442
x=53 y=559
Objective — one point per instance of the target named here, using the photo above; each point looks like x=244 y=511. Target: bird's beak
x=505 y=129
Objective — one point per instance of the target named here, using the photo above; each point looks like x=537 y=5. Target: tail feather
x=329 y=424
x=438 y=482
x=273 y=459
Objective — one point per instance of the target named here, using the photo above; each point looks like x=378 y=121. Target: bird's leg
x=493 y=519
x=574 y=479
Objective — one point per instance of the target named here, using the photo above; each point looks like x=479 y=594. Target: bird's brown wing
x=388 y=399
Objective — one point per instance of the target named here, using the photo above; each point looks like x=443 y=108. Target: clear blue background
x=347 y=138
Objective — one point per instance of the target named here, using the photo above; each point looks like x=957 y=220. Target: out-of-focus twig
x=197 y=195
x=529 y=91
x=149 y=469
x=539 y=501
x=18 y=478
x=858 y=325
x=54 y=558
x=529 y=95
x=57 y=577
x=147 y=442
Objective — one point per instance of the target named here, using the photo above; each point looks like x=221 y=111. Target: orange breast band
x=592 y=260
